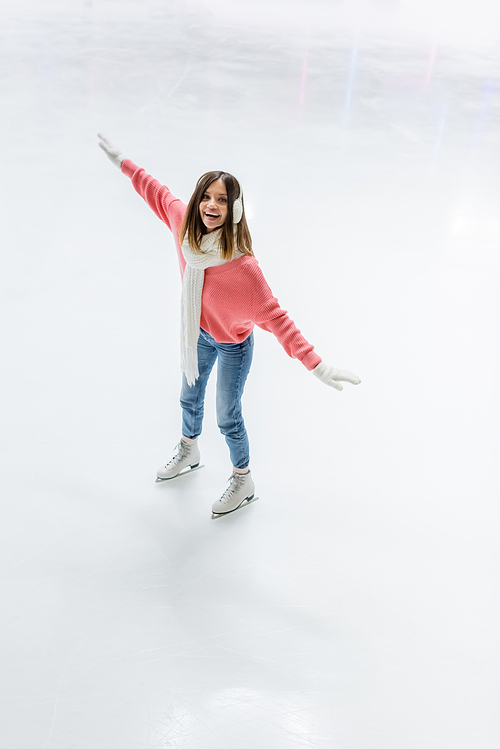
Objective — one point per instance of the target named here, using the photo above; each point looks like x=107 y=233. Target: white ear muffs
x=237 y=210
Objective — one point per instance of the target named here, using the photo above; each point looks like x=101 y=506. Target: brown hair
x=194 y=228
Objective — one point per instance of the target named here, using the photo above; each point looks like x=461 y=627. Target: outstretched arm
x=269 y=316
x=168 y=208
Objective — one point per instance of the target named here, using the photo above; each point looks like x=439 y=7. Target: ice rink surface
x=355 y=605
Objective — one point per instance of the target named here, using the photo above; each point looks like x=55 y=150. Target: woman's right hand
x=110 y=150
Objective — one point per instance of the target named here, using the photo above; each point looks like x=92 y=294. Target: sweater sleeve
x=169 y=209
x=268 y=315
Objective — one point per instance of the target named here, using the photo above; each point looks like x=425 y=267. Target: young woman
x=224 y=294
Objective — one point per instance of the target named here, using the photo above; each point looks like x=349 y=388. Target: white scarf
x=192 y=288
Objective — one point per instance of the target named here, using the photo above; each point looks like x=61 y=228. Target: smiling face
x=213 y=206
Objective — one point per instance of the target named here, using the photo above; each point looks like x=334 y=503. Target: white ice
x=355 y=605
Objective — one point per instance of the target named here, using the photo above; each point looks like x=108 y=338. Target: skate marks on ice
x=245 y=503
x=184 y=472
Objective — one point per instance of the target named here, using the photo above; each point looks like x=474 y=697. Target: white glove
x=110 y=150
x=330 y=375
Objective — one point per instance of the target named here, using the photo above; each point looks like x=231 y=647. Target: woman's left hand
x=331 y=376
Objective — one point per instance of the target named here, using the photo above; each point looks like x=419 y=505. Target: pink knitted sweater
x=235 y=295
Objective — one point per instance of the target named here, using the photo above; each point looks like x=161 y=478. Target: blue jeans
x=234 y=360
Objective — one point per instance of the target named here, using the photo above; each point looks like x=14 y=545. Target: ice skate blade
x=245 y=503
x=179 y=475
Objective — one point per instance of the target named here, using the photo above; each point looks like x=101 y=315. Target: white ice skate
x=185 y=460
x=240 y=492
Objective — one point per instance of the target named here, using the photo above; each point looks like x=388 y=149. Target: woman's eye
x=223 y=200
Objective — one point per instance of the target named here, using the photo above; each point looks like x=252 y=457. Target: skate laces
x=236 y=482
x=183 y=450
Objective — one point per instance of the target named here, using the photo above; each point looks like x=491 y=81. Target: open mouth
x=211 y=215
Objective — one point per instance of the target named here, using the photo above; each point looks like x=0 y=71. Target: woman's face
x=213 y=206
